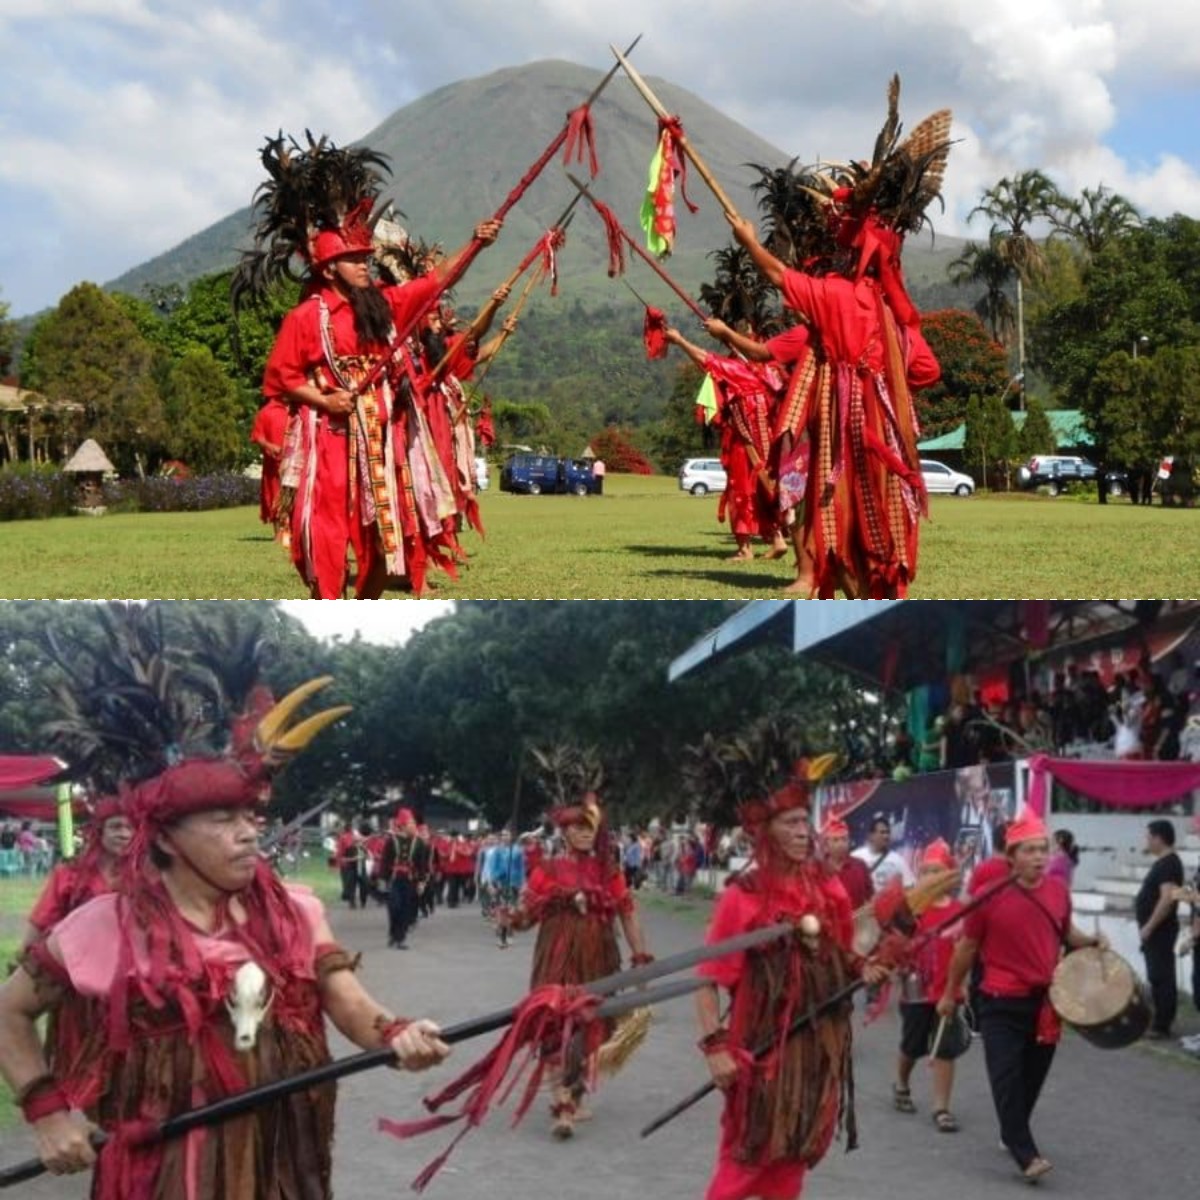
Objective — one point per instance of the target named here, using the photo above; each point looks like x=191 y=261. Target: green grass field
x=644 y=539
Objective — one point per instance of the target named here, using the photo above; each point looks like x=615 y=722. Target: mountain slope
x=457 y=152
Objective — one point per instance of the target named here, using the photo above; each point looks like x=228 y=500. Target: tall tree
x=1096 y=218
x=8 y=339
x=1036 y=435
x=89 y=352
x=984 y=264
x=204 y=420
x=972 y=365
x=1013 y=206
x=990 y=446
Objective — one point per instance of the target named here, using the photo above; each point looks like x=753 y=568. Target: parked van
x=538 y=474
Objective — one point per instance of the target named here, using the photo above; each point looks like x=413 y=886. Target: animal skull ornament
x=248 y=1003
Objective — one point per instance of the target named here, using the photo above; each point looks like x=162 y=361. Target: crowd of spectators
x=23 y=850
x=1149 y=711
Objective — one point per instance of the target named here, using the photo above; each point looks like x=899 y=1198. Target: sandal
x=945 y=1121
x=902 y=1099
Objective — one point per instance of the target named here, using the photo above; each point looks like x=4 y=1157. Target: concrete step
x=1108 y=886
x=1095 y=903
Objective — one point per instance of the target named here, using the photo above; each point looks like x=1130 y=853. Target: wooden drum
x=1097 y=993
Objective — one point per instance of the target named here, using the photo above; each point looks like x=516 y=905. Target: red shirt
x=1018 y=944
x=933 y=959
x=856 y=879
x=740 y=909
x=298 y=349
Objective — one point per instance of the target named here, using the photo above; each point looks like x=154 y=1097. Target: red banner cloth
x=22 y=771
x=1120 y=784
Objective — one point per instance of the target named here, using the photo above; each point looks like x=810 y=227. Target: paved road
x=1117 y=1125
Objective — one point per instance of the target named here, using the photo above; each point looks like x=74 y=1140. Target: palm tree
x=1097 y=218
x=983 y=263
x=738 y=293
x=1012 y=206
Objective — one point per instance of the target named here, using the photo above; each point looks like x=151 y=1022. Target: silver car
x=940 y=478
x=702 y=475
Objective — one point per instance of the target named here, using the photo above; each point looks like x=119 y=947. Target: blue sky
x=128 y=125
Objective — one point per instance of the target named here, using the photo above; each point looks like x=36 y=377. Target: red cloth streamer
x=129 y=1161
x=674 y=127
x=654 y=332
x=616 y=238
x=543 y=1026
x=580 y=134
x=550 y=245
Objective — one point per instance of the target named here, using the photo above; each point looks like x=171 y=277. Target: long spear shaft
x=838 y=997
x=645 y=255
x=233 y=1106
x=475 y=245
x=651 y=99
x=504 y=334
x=273 y=839
x=483 y=318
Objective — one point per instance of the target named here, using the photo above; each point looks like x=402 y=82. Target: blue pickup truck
x=543 y=474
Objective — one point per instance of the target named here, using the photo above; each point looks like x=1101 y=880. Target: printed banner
x=964 y=807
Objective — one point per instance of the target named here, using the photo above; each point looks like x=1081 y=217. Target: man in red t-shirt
x=1018 y=934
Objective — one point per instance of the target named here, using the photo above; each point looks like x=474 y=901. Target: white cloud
x=140 y=120
x=386 y=622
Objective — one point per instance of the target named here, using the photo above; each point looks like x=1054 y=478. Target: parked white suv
x=940 y=478
x=702 y=475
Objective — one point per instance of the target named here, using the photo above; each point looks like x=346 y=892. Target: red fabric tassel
x=678 y=161
x=551 y=244
x=581 y=133
x=654 y=332
x=129 y=1162
x=616 y=238
x=544 y=1024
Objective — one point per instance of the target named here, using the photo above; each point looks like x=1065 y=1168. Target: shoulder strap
x=1061 y=932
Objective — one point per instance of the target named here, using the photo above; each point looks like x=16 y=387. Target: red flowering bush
x=618 y=453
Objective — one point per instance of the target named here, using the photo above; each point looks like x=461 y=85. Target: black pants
x=1017 y=1067
x=1159 y=953
x=402 y=909
x=455 y=889
x=354 y=886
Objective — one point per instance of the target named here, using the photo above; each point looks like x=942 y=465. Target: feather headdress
x=174 y=729
x=749 y=777
x=570 y=777
x=313 y=192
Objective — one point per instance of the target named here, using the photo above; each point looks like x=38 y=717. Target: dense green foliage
x=972 y=365
x=456 y=709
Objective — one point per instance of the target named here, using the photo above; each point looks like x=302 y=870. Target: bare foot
x=741 y=556
x=775 y=552
x=803 y=586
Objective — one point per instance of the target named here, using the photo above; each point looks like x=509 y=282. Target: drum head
x=1092 y=987
x=866 y=932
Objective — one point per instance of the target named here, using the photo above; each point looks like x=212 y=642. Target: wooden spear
x=656 y=104
x=475 y=245
x=645 y=255
x=242 y=1102
x=487 y=313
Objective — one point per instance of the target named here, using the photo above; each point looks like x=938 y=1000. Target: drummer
x=1018 y=935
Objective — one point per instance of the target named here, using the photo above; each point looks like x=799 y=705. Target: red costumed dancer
x=94 y=873
x=749 y=392
x=576 y=900
x=782 y=1109
x=203 y=976
x=269 y=433
x=365 y=475
x=853 y=395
